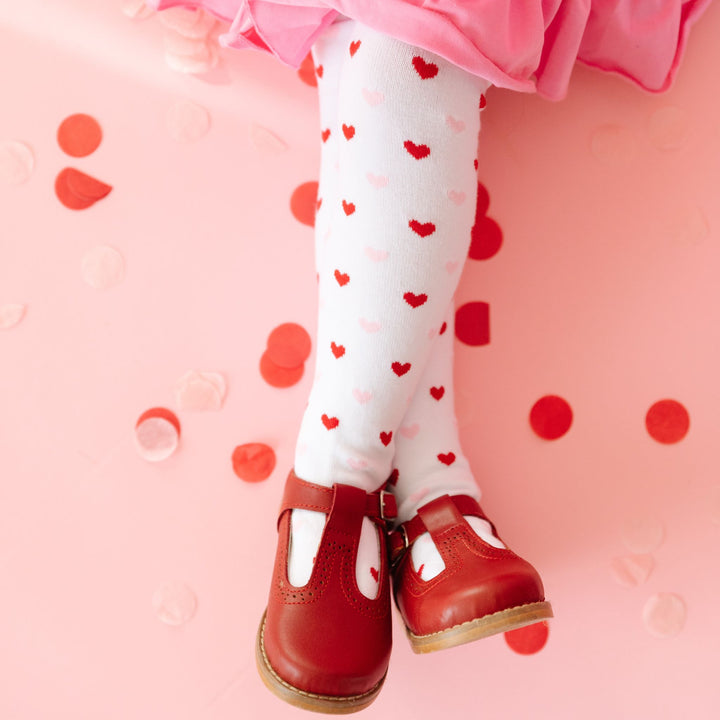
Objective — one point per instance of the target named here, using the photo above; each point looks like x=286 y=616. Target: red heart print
x=475 y=162
x=483 y=102
x=337 y=350
x=394 y=475
x=422 y=229
x=348 y=131
x=400 y=368
x=325 y=134
x=319 y=71
x=417 y=151
x=415 y=300
x=354 y=47
x=447 y=458
x=374 y=574
x=437 y=392
x=330 y=422
x=349 y=208
x=342 y=278
x=443 y=328
x=424 y=69
x=385 y=438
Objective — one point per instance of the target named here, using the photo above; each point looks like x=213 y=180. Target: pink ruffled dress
x=525 y=45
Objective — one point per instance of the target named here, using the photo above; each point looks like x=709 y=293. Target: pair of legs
x=396 y=204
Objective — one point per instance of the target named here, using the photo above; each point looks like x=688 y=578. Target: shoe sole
x=331 y=704
x=502 y=621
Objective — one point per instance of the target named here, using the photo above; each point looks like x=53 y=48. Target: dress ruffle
x=524 y=45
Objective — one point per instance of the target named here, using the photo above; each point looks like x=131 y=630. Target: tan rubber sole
x=331 y=704
x=502 y=621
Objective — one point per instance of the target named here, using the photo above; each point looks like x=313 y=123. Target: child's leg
x=428 y=457
x=406 y=136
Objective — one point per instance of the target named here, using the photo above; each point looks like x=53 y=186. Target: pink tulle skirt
x=525 y=45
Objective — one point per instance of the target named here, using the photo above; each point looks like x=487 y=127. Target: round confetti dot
x=486 y=239
x=78 y=191
x=200 y=391
x=303 y=203
x=16 y=162
x=279 y=376
x=668 y=128
x=529 y=639
x=632 y=570
x=613 y=144
x=196 y=64
x=181 y=45
x=472 y=323
x=483 y=201
x=667 y=421
x=187 y=121
x=253 y=462
x=306 y=71
x=157 y=432
x=550 y=417
x=642 y=535
x=174 y=603
x=79 y=135
x=103 y=267
x=11 y=314
x=664 y=614
x=289 y=345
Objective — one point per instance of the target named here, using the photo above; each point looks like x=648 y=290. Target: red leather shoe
x=483 y=590
x=325 y=646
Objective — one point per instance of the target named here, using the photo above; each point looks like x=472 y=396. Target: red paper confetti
x=279 y=376
x=529 y=639
x=306 y=71
x=157 y=432
x=472 y=323
x=486 y=239
x=551 y=417
x=289 y=345
x=253 y=462
x=667 y=421
x=78 y=191
x=79 y=135
x=303 y=202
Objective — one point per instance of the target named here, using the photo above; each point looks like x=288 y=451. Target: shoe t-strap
x=403 y=537
x=301 y=494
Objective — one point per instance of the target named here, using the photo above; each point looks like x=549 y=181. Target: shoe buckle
x=400 y=551
x=392 y=506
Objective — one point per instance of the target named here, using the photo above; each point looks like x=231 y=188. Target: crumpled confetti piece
x=196 y=64
x=632 y=570
x=253 y=462
x=265 y=140
x=103 y=267
x=174 y=603
x=78 y=191
x=197 y=390
x=191 y=23
x=136 y=9
x=157 y=433
x=187 y=121
x=11 y=314
x=17 y=162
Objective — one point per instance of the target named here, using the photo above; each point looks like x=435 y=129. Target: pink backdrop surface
x=604 y=292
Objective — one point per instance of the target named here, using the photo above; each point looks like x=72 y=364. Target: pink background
x=604 y=292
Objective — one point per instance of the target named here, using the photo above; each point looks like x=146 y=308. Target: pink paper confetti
x=664 y=614
x=187 y=22
x=181 y=45
x=202 y=62
x=11 y=314
x=174 y=603
x=17 y=162
x=643 y=535
x=157 y=433
x=187 y=121
x=103 y=267
x=266 y=141
x=632 y=570
x=197 y=390
x=136 y=9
